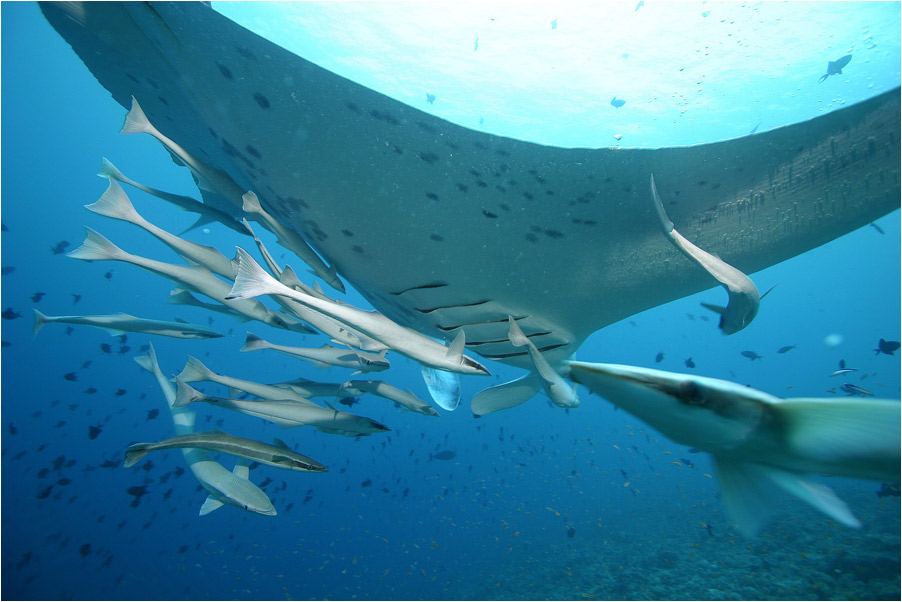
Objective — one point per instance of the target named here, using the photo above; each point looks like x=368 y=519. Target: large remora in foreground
x=444 y=228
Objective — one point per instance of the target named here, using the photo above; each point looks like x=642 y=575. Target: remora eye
x=692 y=393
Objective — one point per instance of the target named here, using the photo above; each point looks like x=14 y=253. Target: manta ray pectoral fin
x=506 y=395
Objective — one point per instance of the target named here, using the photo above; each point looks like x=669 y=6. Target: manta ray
x=446 y=229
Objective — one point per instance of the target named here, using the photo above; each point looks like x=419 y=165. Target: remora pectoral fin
x=209 y=505
x=718 y=309
x=444 y=387
x=506 y=395
x=749 y=491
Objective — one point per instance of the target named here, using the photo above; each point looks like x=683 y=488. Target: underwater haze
x=534 y=502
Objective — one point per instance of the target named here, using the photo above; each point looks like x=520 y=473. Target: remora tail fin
x=97 y=248
x=134 y=453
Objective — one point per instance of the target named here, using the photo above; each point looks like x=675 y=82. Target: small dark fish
x=348 y=401
x=179 y=471
x=7 y=269
x=710 y=532
x=26 y=557
x=851 y=389
x=689 y=363
x=835 y=67
x=90 y=390
x=887 y=347
x=86 y=364
x=751 y=355
x=137 y=491
x=64 y=481
x=623 y=472
x=443 y=455
x=151 y=414
x=94 y=431
x=12 y=428
x=571 y=532
x=617 y=102
x=60 y=247
x=108 y=275
x=123 y=349
x=265 y=482
x=37 y=297
x=889 y=490
x=842 y=369
x=69 y=330
x=755 y=129
x=183 y=549
x=106 y=347
x=120 y=392
x=694 y=450
x=45 y=492
x=10 y=314
x=75 y=298
x=5 y=229
x=70 y=376
x=877 y=228
x=366 y=483
x=43 y=473
x=659 y=358
x=5 y=343
x=430 y=98
x=786 y=348
x=122 y=338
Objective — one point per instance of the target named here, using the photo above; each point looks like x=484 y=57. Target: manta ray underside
x=444 y=228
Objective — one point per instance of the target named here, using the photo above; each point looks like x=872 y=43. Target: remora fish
x=209 y=177
x=233 y=488
x=251 y=280
x=742 y=306
x=760 y=443
x=292 y=241
x=117 y=324
x=325 y=356
x=98 y=248
x=196 y=371
x=404 y=398
x=207 y=212
x=287 y=414
x=278 y=455
x=558 y=391
x=115 y=203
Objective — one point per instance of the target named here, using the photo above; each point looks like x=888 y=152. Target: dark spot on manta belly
x=553 y=233
x=431 y=196
x=261 y=100
x=213 y=133
x=253 y=151
x=347 y=233
x=226 y=73
x=133 y=78
x=352 y=107
x=462 y=187
x=163 y=100
x=482 y=184
x=531 y=237
x=528 y=196
x=152 y=83
x=430 y=158
x=426 y=127
x=245 y=53
x=357 y=249
x=436 y=238
x=489 y=214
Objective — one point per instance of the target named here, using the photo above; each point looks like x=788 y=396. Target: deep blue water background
x=491 y=523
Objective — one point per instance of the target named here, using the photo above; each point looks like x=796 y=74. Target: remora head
x=707 y=413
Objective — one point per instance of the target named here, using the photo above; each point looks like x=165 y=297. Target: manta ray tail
x=97 y=248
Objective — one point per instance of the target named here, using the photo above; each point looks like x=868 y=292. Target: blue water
x=538 y=503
